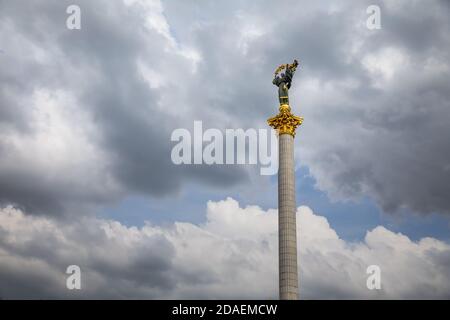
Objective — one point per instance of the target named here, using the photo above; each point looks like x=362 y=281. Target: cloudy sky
x=86 y=176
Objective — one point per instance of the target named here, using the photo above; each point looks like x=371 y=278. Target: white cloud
x=232 y=255
x=385 y=64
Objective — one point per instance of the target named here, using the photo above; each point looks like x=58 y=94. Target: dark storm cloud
x=395 y=148
x=363 y=134
x=98 y=66
x=375 y=102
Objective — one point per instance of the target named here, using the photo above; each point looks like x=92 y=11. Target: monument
x=285 y=123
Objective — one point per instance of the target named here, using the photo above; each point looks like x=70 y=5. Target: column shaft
x=287 y=227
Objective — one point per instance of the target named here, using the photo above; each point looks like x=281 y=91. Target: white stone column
x=286 y=123
x=287 y=227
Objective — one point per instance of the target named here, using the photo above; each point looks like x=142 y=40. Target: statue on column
x=285 y=122
x=283 y=81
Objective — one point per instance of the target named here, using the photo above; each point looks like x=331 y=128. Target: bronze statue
x=284 y=80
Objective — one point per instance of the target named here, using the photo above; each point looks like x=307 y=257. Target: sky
x=87 y=179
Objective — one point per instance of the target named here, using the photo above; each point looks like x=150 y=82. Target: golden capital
x=285 y=122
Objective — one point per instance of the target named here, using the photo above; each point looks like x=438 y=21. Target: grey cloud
x=386 y=141
x=98 y=66
x=94 y=247
x=232 y=255
x=363 y=135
